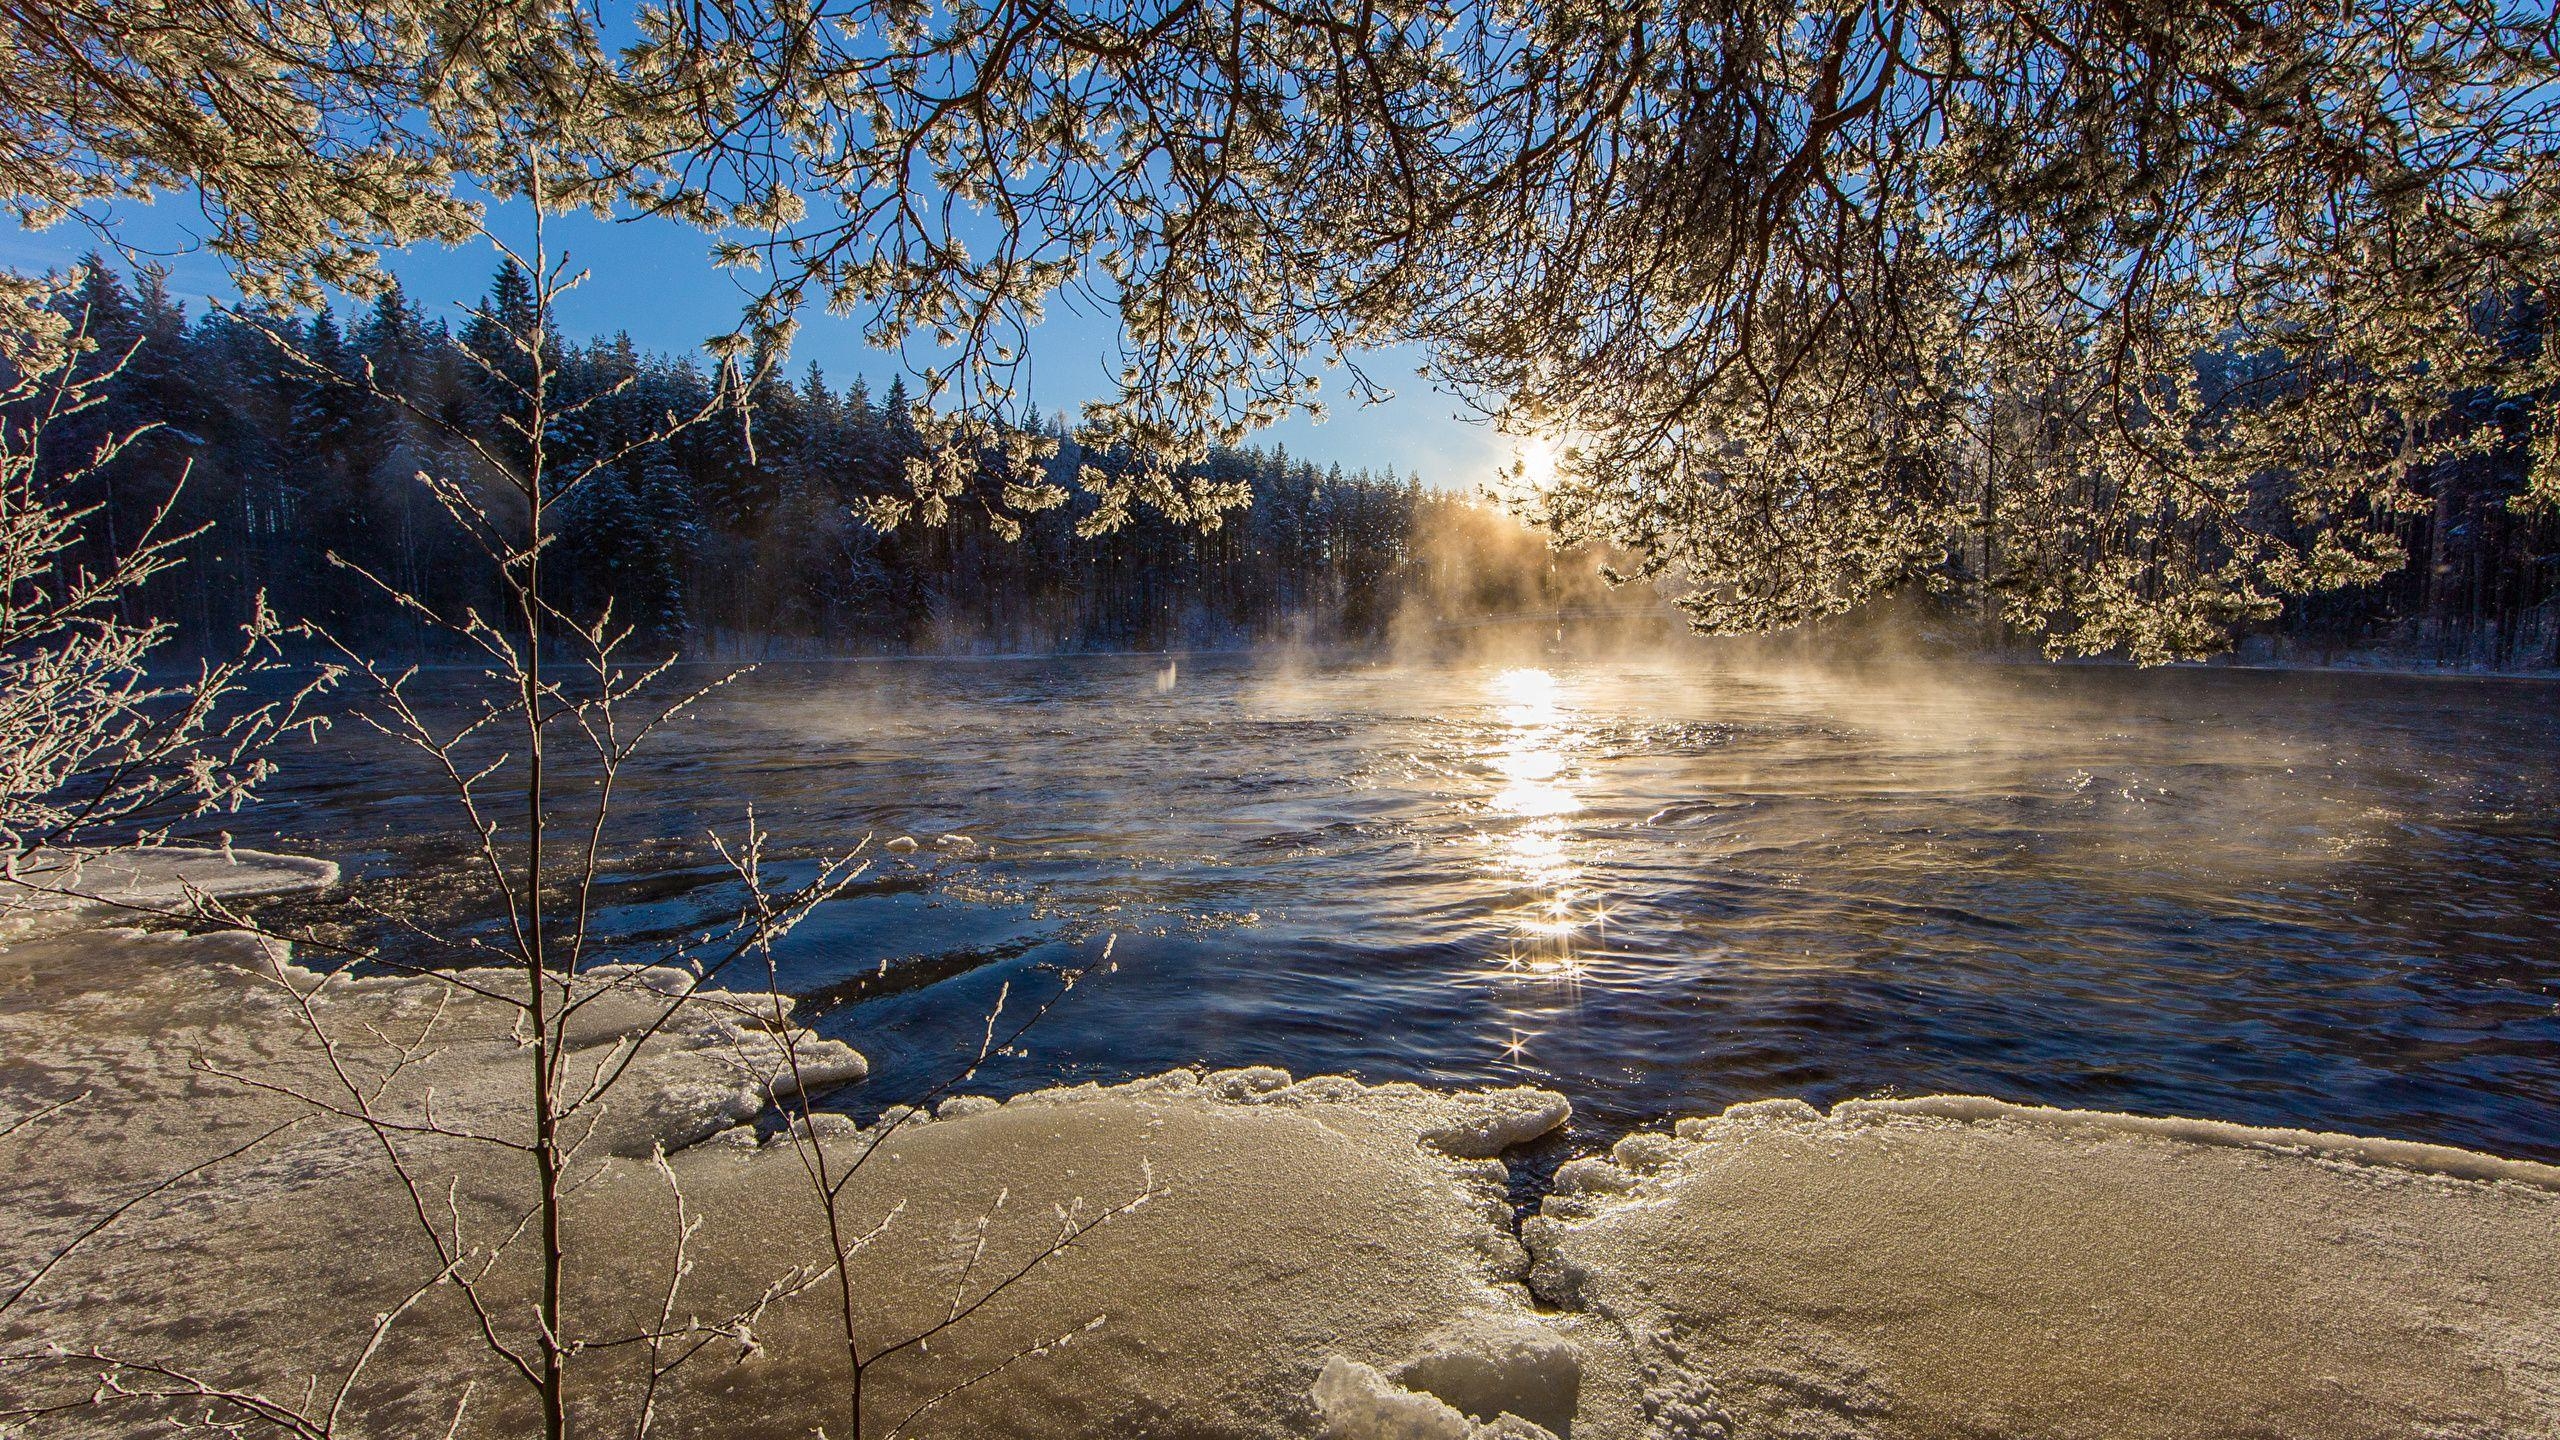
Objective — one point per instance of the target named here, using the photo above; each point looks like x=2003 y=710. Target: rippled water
x=1657 y=886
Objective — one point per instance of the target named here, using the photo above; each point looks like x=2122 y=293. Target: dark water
x=1657 y=886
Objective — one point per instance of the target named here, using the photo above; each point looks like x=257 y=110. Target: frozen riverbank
x=1954 y=1266
x=1314 y=1256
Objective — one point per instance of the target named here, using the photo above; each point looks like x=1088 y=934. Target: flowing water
x=1659 y=886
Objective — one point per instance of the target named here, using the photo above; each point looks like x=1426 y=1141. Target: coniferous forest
x=745 y=534
x=740 y=535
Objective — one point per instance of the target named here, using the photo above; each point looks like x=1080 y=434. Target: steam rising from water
x=1659 y=883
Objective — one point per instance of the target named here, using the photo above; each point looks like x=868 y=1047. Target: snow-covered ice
x=1955 y=1266
x=1288 y=1221
x=1316 y=1257
x=160 y=878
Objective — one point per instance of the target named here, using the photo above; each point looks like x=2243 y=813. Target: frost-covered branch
x=102 y=738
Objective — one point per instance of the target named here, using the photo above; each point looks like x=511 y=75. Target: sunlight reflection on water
x=1656 y=885
x=1535 y=857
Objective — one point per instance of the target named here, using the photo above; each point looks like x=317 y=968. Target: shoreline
x=1329 y=1257
x=1387 y=654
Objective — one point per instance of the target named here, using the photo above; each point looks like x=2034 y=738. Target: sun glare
x=1527 y=696
x=1538 y=463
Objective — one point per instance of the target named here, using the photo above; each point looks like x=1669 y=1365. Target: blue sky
x=654 y=279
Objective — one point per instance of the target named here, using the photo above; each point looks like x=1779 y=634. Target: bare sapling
x=531 y=754
x=547 y=681
x=832 y=1172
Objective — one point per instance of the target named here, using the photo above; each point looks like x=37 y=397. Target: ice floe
x=1957 y=1266
x=59 y=885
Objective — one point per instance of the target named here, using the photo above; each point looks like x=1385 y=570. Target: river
x=1657 y=884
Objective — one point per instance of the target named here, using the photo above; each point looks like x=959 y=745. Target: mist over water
x=1657 y=884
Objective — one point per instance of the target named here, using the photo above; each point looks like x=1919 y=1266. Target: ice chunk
x=1319 y=1089
x=1493 y=1363
x=1492 y=1121
x=1787 y=1111
x=1642 y=1152
x=1592 y=1175
x=153 y=879
x=1247 y=1081
x=1358 y=1403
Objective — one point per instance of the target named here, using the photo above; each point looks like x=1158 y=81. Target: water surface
x=1659 y=886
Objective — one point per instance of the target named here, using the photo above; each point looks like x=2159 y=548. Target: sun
x=1537 y=464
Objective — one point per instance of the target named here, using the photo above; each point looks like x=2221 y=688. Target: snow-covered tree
x=1778 y=277
x=99 y=742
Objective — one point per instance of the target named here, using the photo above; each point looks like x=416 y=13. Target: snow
x=1313 y=1256
x=1359 y=1403
x=158 y=878
x=1286 y=1221
x=1959 y=1266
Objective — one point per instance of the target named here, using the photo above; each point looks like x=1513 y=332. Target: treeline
x=744 y=534
x=738 y=535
